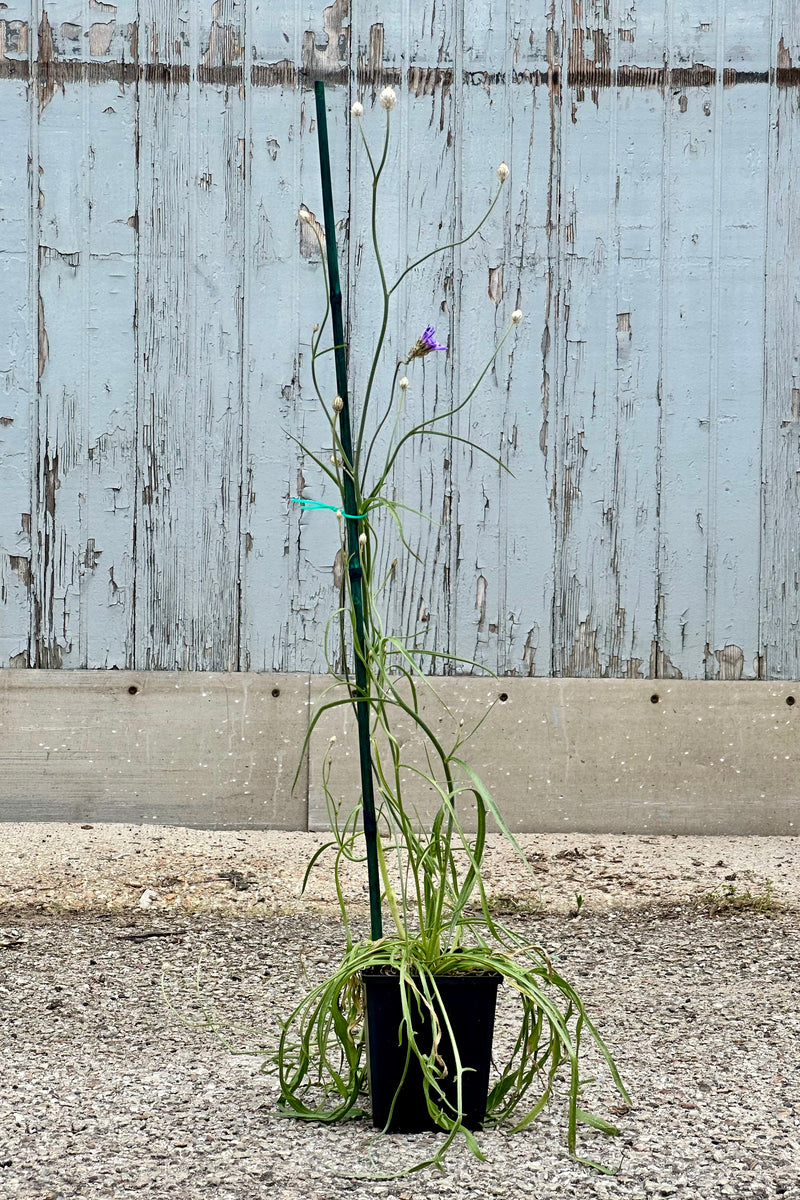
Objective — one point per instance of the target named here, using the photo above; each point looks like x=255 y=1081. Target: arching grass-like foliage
x=430 y=870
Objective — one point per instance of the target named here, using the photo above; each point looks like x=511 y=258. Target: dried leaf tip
x=357 y=110
x=503 y=172
x=388 y=98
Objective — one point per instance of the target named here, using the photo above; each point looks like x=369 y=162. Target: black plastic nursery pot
x=395 y=1077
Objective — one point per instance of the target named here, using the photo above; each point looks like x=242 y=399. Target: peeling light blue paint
x=155 y=313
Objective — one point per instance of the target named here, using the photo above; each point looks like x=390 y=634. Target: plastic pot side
x=395 y=1077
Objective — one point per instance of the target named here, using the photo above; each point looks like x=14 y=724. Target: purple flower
x=425 y=344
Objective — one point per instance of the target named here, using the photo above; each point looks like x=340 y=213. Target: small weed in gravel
x=506 y=905
x=727 y=898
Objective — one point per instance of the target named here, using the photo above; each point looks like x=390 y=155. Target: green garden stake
x=353 y=524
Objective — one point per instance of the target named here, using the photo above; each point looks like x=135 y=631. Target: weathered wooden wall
x=156 y=301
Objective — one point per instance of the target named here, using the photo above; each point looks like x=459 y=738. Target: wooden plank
x=640 y=34
x=486 y=300
x=418 y=212
x=687 y=429
x=94 y=746
x=81 y=312
x=525 y=647
x=576 y=755
x=190 y=213
x=780 y=585
x=17 y=346
x=634 y=380
x=602 y=756
x=288 y=570
x=737 y=378
x=82 y=567
x=735 y=374
x=62 y=440
x=710 y=468
x=605 y=427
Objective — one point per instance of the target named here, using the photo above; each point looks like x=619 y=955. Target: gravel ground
x=106 y=1095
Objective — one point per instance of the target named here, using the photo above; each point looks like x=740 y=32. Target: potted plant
x=409 y=1012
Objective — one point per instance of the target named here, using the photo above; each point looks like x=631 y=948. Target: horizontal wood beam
x=211 y=751
x=221 y=750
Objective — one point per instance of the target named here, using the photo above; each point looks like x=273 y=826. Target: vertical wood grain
x=780 y=535
x=534 y=63
x=606 y=417
x=190 y=209
x=287 y=574
x=712 y=383
x=18 y=354
x=487 y=295
x=82 y=530
x=414 y=52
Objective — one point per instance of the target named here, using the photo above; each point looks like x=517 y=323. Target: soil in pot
x=395 y=1077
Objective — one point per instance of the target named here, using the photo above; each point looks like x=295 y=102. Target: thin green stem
x=425 y=425
x=381 y=424
x=448 y=246
x=376 y=175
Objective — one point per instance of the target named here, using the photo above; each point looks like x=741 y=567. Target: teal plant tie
x=318 y=504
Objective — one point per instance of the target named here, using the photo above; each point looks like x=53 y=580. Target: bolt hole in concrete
x=654 y=699
x=503 y=697
x=132 y=690
x=790 y=700
x=276 y=691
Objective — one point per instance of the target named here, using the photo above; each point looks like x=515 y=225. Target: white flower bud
x=357 y=110
x=503 y=172
x=338 y=404
x=388 y=98
x=516 y=316
x=403 y=384
x=362 y=541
